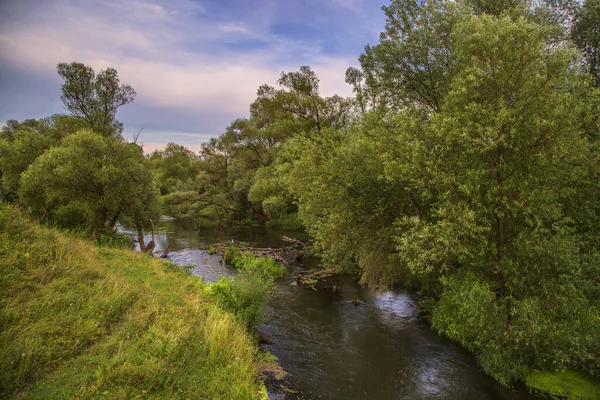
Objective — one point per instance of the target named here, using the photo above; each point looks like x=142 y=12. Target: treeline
x=465 y=165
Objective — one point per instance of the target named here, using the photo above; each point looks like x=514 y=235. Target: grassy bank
x=79 y=321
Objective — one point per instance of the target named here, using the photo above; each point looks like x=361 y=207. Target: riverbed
x=333 y=349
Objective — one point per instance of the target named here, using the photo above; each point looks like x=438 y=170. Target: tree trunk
x=101 y=216
x=141 y=240
x=114 y=219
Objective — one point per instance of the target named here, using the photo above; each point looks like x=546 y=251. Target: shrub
x=230 y=254
x=245 y=296
x=117 y=240
x=264 y=267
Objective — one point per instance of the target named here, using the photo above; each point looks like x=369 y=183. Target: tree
x=22 y=142
x=412 y=63
x=108 y=176
x=299 y=101
x=95 y=98
x=174 y=166
x=511 y=155
x=586 y=35
x=494 y=7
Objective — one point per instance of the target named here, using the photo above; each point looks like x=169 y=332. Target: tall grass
x=246 y=294
x=81 y=321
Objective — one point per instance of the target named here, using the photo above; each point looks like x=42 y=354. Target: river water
x=332 y=349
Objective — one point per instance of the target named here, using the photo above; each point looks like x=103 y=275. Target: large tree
x=511 y=157
x=107 y=175
x=95 y=98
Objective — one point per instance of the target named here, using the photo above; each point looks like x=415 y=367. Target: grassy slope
x=78 y=321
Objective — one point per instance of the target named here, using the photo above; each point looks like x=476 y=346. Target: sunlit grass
x=564 y=385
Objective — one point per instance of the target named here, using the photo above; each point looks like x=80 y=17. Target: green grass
x=81 y=321
x=245 y=296
x=564 y=385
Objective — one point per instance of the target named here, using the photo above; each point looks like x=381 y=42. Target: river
x=332 y=349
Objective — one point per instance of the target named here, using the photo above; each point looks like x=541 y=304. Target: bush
x=116 y=240
x=264 y=267
x=230 y=254
x=245 y=296
x=510 y=336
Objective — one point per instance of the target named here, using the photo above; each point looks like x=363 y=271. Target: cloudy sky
x=195 y=64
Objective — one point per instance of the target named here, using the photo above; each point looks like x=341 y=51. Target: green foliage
x=112 y=238
x=289 y=222
x=563 y=385
x=72 y=215
x=586 y=35
x=93 y=97
x=107 y=175
x=472 y=175
x=509 y=150
x=275 y=206
x=176 y=168
x=244 y=295
x=81 y=321
x=22 y=142
x=230 y=253
x=263 y=267
x=413 y=61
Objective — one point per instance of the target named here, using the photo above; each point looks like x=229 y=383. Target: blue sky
x=195 y=65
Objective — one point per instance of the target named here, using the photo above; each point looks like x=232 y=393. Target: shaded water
x=332 y=349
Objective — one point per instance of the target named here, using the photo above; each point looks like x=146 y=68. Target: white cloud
x=233 y=28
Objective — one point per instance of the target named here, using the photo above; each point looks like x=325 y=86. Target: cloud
x=177 y=54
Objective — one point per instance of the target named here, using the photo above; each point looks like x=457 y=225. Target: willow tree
x=107 y=175
x=511 y=156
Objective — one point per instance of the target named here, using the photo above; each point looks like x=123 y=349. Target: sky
x=195 y=64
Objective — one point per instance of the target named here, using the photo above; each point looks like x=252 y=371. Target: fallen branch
x=292 y=240
x=288 y=255
x=165 y=253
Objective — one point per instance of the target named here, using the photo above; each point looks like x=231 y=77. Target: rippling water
x=332 y=349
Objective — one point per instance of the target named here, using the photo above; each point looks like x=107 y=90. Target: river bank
x=333 y=349
x=82 y=321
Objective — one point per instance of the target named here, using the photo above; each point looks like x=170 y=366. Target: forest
x=465 y=167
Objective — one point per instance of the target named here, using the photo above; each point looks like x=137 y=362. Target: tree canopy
x=93 y=97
